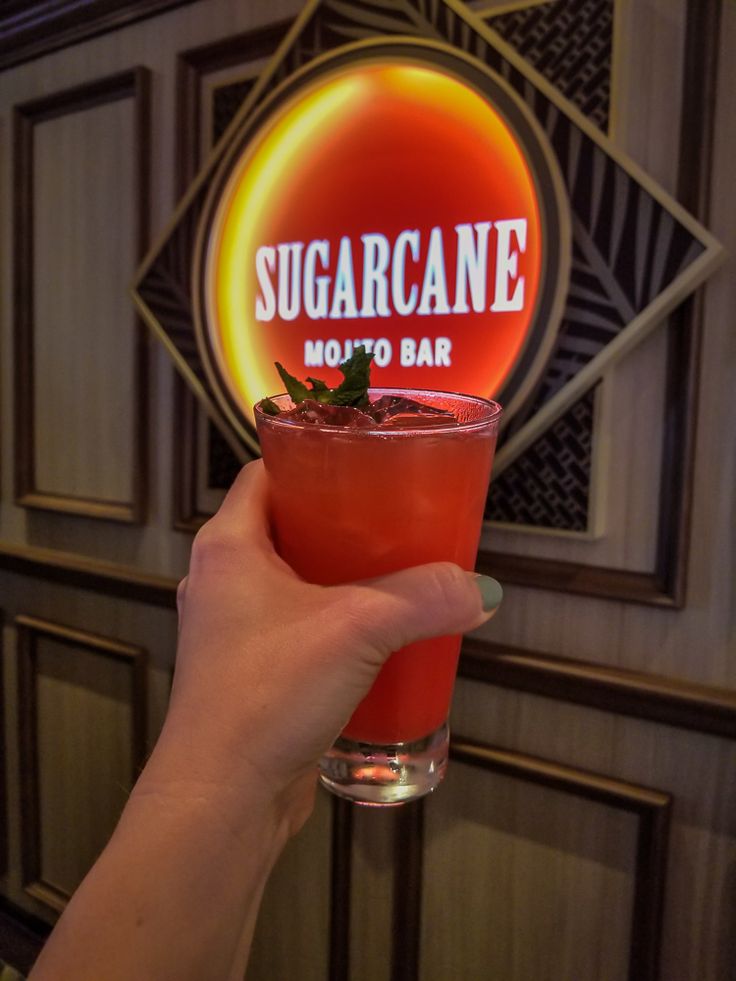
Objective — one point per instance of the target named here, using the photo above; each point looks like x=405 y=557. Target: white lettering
x=376 y=255
x=442 y=351
x=292 y=279
x=333 y=354
x=398 y=273
x=507 y=265
x=383 y=352
x=314 y=354
x=435 y=285
x=290 y=261
x=344 y=295
x=315 y=307
x=265 y=264
x=408 y=352
x=472 y=263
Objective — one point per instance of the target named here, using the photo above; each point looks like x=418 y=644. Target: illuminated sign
x=400 y=196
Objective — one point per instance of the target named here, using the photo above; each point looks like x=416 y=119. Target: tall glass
x=351 y=504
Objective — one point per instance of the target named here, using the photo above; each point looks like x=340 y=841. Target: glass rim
x=494 y=411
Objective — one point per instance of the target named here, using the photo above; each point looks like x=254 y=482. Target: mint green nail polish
x=491 y=592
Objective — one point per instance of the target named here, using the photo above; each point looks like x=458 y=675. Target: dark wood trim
x=4 y=843
x=95 y=575
x=133 y=84
x=576 y=578
x=697 y=136
x=654 y=698
x=651 y=807
x=187 y=515
x=406 y=928
x=28 y=630
x=341 y=868
x=23 y=935
x=192 y=66
x=29 y=30
x=665 y=585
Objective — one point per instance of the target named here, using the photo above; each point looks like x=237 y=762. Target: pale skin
x=268 y=670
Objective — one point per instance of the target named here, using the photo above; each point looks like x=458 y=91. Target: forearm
x=176 y=892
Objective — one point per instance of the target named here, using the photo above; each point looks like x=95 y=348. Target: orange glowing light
x=374 y=148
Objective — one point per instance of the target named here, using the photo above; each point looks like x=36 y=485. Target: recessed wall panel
x=84 y=331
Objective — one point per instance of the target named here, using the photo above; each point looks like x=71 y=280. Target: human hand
x=270 y=668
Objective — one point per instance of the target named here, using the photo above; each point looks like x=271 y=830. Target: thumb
x=422 y=602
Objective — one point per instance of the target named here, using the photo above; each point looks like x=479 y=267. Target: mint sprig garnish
x=353 y=390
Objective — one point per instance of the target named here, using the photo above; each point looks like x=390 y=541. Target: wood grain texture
x=341 y=870
x=79 y=353
x=651 y=809
x=664 y=585
x=372 y=899
x=244 y=53
x=296 y=907
x=31 y=29
x=74 y=788
x=3 y=758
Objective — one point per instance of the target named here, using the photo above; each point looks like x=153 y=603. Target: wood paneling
x=79 y=351
x=193 y=67
x=296 y=907
x=77 y=570
x=3 y=757
x=73 y=788
x=340 y=888
x=665 y=585
x=651 y=809
x=31 y=29
x=670 y=701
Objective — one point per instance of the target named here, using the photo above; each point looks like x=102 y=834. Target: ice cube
x=318 y=413
x=401 y=411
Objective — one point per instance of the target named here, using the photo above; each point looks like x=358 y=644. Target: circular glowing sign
x=397 y=195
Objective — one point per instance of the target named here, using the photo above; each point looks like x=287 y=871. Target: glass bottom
x=386 y=775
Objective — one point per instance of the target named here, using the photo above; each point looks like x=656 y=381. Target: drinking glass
x=349 y=504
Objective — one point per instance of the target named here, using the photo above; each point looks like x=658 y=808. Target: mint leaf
x=269 y=407
x=357 y=378
x=353 y=390
x=296 y=389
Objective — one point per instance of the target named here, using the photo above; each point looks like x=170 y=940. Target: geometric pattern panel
x=570 y=43
x=548 y=486
x=631 y=244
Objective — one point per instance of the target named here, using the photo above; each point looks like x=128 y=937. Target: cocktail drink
x=360 y=499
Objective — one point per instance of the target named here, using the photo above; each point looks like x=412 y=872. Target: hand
x=270 y=668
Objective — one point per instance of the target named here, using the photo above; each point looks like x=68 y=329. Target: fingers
x=244 y=510
x=422 y=602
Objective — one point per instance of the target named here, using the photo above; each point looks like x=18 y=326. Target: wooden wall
x=587 y=828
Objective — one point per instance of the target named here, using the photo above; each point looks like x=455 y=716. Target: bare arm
x=268 y=670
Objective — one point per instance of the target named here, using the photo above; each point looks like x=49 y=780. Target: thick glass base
x=385 y=775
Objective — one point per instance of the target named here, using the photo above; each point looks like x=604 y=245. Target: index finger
x=245 y=508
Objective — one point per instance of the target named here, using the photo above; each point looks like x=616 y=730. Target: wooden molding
x=195 y=63
x=95 y=575
x=29 y=30
x=191 y=67
x=3 y=765
x=651 y=807
x=133 y=84
x=666 y=584
x=654 y=698
x=341 y=866
x=407 y=892
x=29 y=629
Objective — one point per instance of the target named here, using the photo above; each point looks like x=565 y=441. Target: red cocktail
x=355 y=503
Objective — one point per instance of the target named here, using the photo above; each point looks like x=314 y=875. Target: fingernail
x=491 y=592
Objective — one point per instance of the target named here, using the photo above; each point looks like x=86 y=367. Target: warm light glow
x=374 y=148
